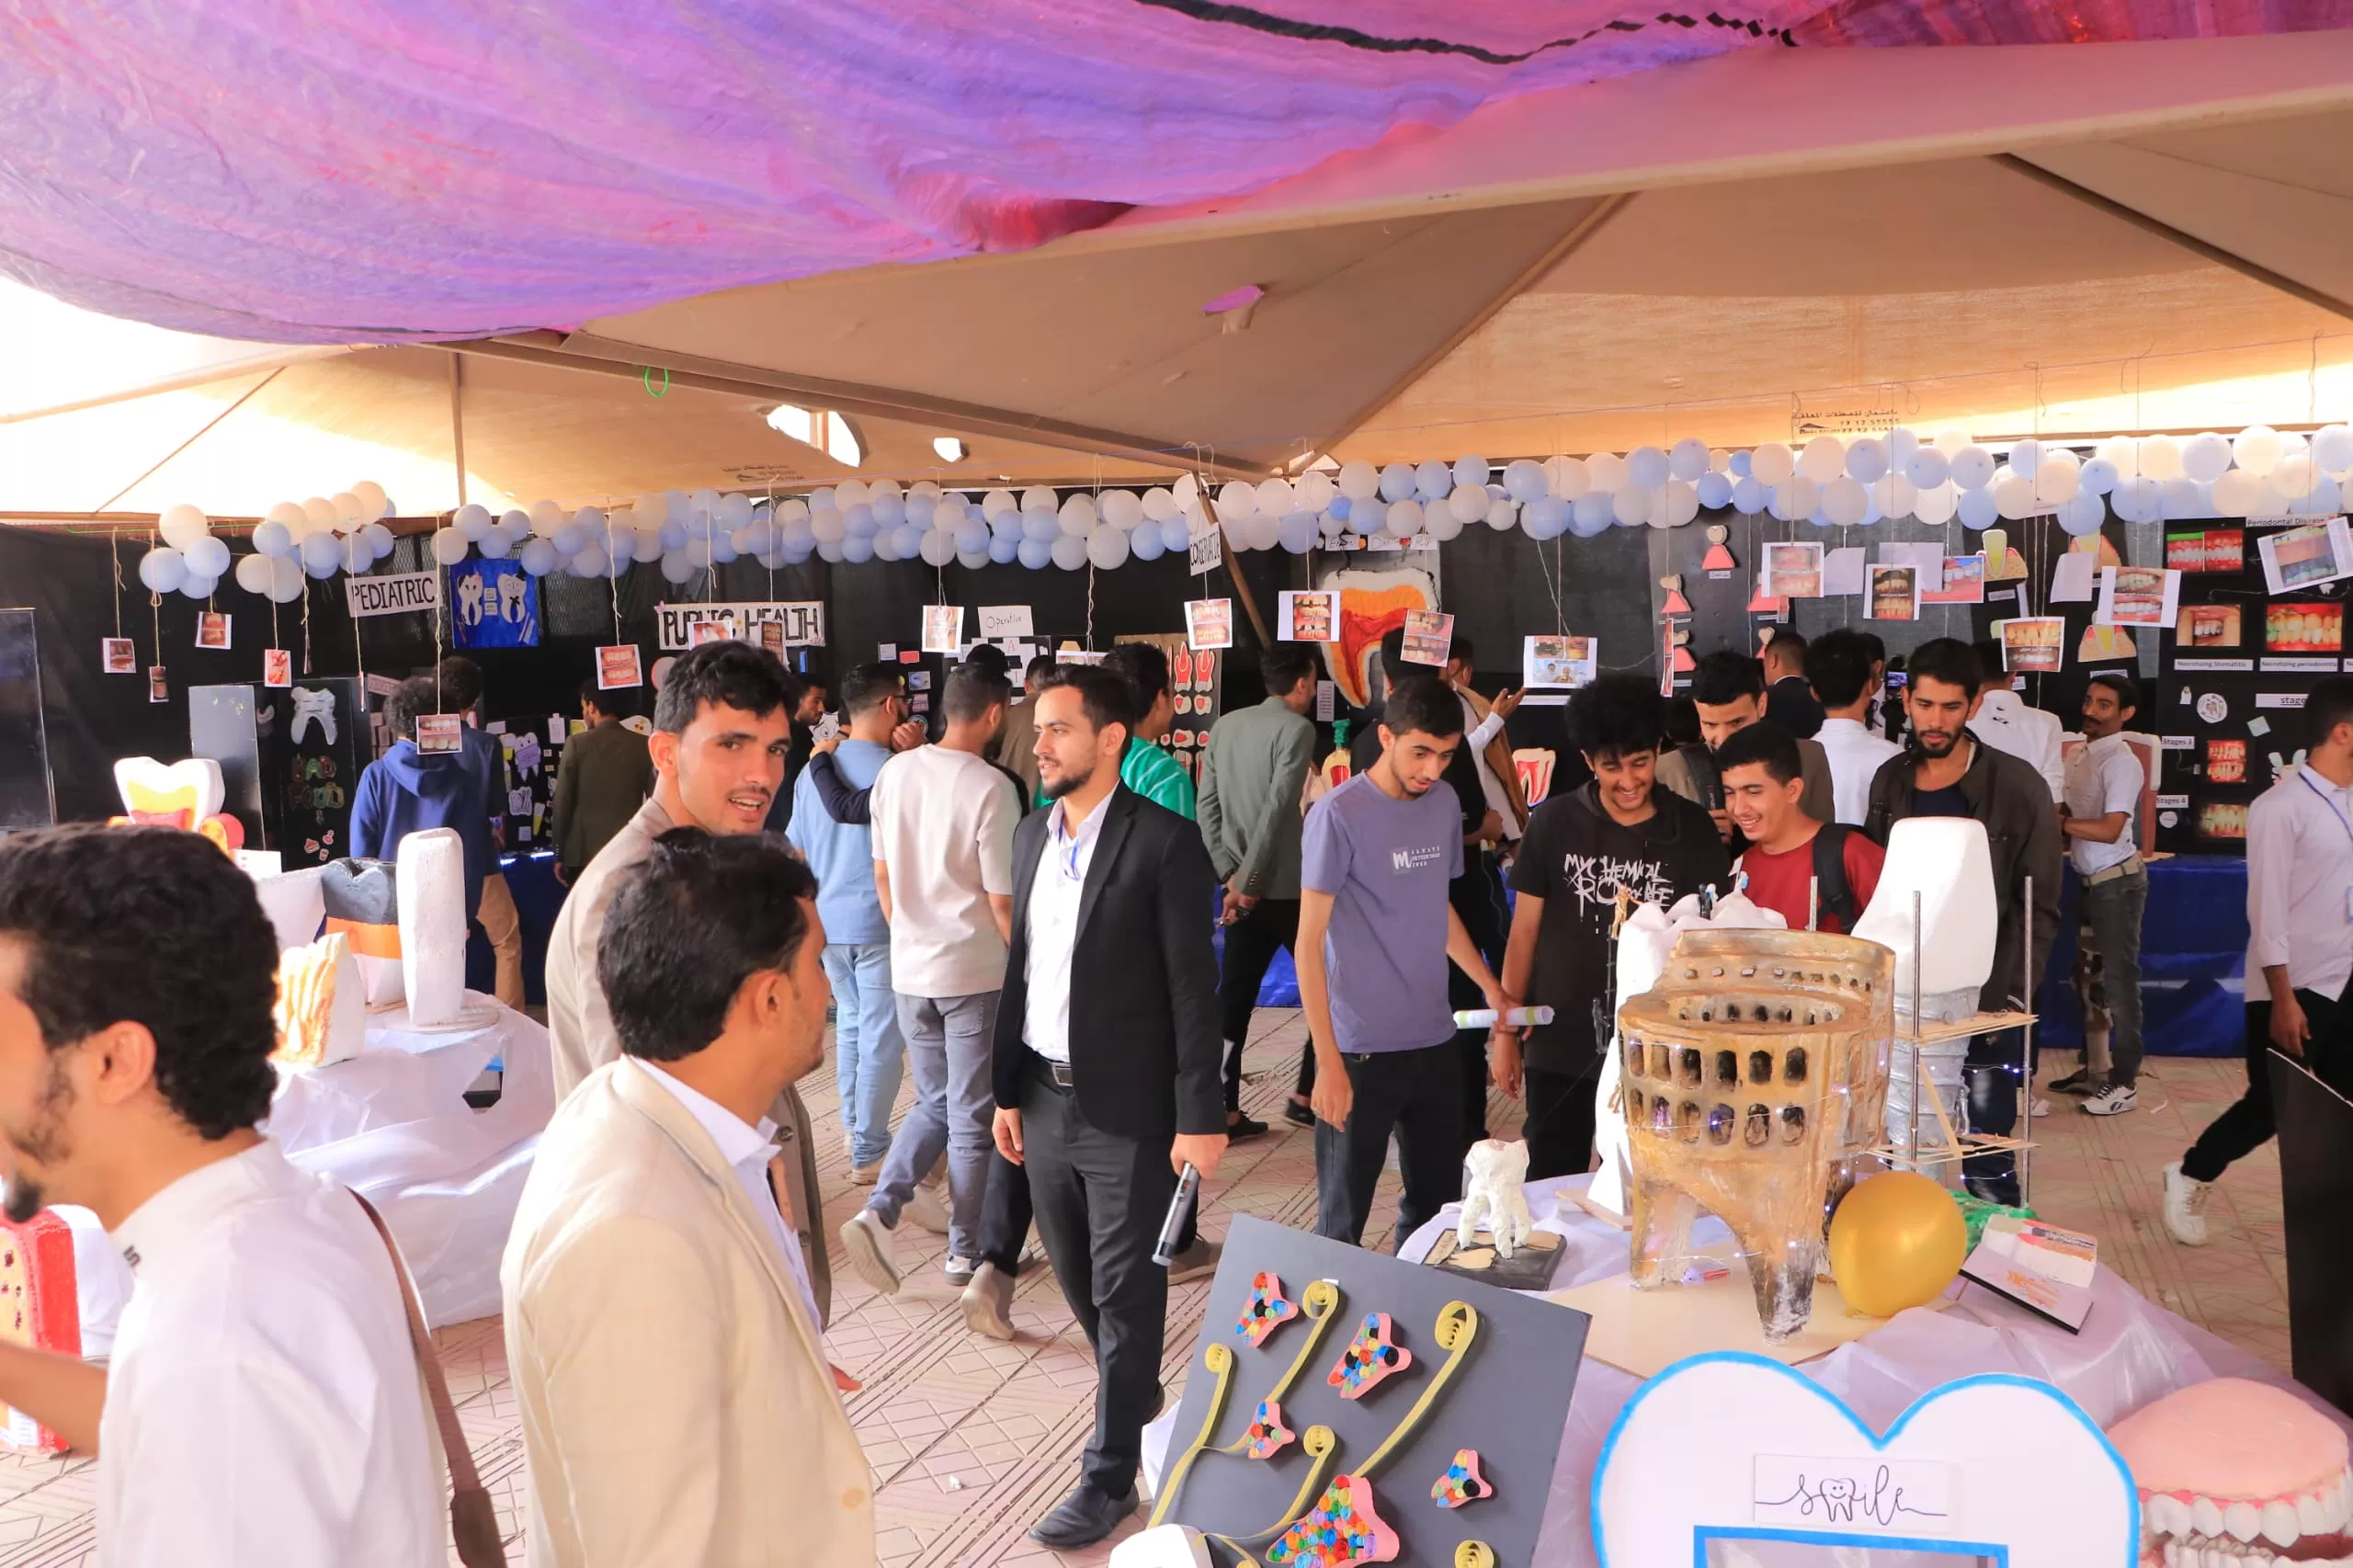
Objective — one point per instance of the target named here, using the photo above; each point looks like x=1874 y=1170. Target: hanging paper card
x=943 y=627
x=1964 y=582
x=1209 y=623
x=440 y=733
x=1207 y=545
x=1326 y=701
x=2073 y=578
x=1559 y=662
x=618 y=667
x=118 y=656
x=703 y=631
x=393 y=594
x=158 y=689
x=1895 y=592
x=1926 y=559
x=2031 y=643
x=496 y=605
x=1006 y=621
x=1308 y=617
x=2303 y=558
x=1429 y=637
x=213 y=631
x=278 y=666
x=2138 y=595
x=1842 y=573
x=2207 y=626
x=1793 y=570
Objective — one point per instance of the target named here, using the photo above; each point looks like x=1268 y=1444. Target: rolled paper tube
x=1519 y=1017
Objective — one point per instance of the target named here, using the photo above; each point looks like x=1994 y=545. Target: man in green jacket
x=605 y=774
x=1146 y=769
x=1252 y=777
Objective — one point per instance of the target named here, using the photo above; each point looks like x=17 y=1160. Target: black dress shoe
x=1247 y=1127
x=1298 y=1115
x=1083 y=1517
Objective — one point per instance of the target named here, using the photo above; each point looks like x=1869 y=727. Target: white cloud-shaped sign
x=1734 y=1447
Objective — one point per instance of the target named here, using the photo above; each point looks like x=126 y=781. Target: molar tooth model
x=1755 y=1075
x=312 y=704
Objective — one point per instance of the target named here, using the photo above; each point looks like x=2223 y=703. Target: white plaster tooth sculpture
x=312 y=704
x=1946 y=861
x=295 y=902
x=432 y=881
x=1495 y=1195
x=148 y=787
x=320 y=1018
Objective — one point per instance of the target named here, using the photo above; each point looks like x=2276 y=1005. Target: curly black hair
x=1618 y=714
x=725 y=674
x=690 y=923
x=154 y=927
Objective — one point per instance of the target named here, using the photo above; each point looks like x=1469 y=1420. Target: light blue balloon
x=567 y=540
x=1368 y=516
x=858 y=548
x=2081 y=514
x=1004 y=525
x=1715 y=491
x=723 y=547
x=1145 y=544
x=1036 y=551
x=971 y=535
x=539 y=557
x=859 y=522
x=910 y=541
x=1818 y=520
x=1547 y=516
x=1976 y=510
x=1646 y=466
x=2098 y=476
x=1043 y=526
x=1176 y=533
x=889 y=511
x=1003 y=548
x=321 y=554
x=1523 y=479
x=1471 y=471
x=1739 y=465
x=1592 y=513
x=1397 y=481
x=1434 y=480
x=673 y=536
x=273 y=538
x=797 y=549
x=1688 y=458
x=1749 y=493
x=1867 y=460
x=927 y=513
x=1340 y=508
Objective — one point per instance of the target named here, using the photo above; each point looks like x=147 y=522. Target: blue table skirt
x=2193 y=961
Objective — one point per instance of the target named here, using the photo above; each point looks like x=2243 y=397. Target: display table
x=2130 y=1352
x=392 y=1122
x=2193 y=961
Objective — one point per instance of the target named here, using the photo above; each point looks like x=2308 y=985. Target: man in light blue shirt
x=869 y=1054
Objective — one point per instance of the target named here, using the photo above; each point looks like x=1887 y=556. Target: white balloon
x=1902 y=442
x=2332 y=449
x=1927 y=468
x=2257 y=450
x=1186 y=490
x=1688 y=458
x=1315 y=490
x=2290 y=478
x=163 y=570
x=1823 y=460
x=590 y=560
x=1121 y=509
x=1631 y=508
x=253 y=573
x=182 y=524
x=1868 y=460
x=207 y=556
x=1108 y=550
x=1795 y=497
x=321 y=553
x=2205 y=456
x=1719 y=460
x=1936 y=505
x=1845 y=502
x=1077 y=515
x=1891 y=496
x=2160 y=458
x=675 y=567
x=1360 y=480
x=537 y=556
x=998 y=502
x=939 y=547
x=1040 y=499
x=1680 y=502
x=1274 y=498
x=1647 y=467
x=496 y=544
x=1069 y=552
x=1567 y=478
x=449 y=546
x=1952 y=441
x=2056 y=479
x=374 y=504
x=2026 y=456
x=287 y=580
x=1468 y=504
x=199 y=588
x=471 y=520
x=1236 y=501
x=1772 y=463
x=885 y=546
x=1503 y=512
x=2322 y=500
x=1159 y=506
x=1607 y=470
x=1404 y=520
x=2014 y=496
x=2183 y=497
x=290 y=515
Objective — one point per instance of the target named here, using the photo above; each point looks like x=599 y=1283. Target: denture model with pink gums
x=2237 y=1474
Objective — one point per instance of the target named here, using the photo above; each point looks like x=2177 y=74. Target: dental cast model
x=312 y=703
x=1498 y=1171
x=431 y=877
x=2238 y=1473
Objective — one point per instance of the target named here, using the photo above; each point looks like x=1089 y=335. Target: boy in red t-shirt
x=1795 y=865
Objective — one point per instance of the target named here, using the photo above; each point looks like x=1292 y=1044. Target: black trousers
x=1415 y=1094
x=2247 y=1124
x=1251 y=943
x=1100 y=1198
x=1992 y=1071
x=1559 y=1122
x=1477 y=896
x=1005 y=1215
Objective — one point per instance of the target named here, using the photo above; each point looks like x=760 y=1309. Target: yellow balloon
x=1895 y=1242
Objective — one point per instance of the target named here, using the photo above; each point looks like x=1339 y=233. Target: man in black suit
x=1789 y=701
x=1106 y=1060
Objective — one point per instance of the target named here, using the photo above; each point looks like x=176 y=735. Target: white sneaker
x=960 y=1270
x=2185 y=1206
x=2113 y=1100
x=867 y=1241
x=927 y=1207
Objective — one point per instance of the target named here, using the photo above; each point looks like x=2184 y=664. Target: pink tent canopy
x=348 y=171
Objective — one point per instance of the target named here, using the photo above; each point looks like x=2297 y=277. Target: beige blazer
x=581 y=1037
x=677 y=1408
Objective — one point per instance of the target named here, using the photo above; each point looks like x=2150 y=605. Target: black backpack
x=1833 y=896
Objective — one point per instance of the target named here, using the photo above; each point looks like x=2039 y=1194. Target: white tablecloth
x=2130 y=1352
x=393 y=1123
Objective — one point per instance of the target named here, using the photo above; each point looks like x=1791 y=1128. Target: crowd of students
x=1029 y=933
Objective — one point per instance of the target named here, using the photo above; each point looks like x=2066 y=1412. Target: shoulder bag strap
x=473 y=1524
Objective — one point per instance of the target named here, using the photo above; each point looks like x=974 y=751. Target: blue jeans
x=869 y=1055
x=949 y=1041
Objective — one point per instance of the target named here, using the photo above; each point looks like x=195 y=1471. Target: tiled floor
x=972 y=1439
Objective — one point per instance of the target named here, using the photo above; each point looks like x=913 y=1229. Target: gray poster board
x=1508 y=1399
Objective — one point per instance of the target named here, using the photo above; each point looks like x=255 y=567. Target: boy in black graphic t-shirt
x=1617 y=831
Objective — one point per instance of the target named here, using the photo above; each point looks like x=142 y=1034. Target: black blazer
x=1144 y=1048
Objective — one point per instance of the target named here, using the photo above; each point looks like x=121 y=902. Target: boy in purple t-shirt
x=1375 y=933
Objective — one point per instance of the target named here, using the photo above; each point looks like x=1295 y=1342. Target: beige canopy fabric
x=2069 y=240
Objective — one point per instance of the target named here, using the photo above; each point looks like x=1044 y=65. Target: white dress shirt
x=2104 y=776
x=1855 y=755
x=2005 y=722
x=747 y=1149
x=1054 y=893
x=2298 y=882
x=264 y=1405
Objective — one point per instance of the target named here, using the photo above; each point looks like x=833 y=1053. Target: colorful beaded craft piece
x=1371 y=1357
x=1266 y=1434
x=1264 y=1311
x=1462 y=1482
x=1340 y=1530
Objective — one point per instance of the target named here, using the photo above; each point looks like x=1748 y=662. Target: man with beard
x=1947 y=772
x=722 y=726
x=262 y=1402
x=1617 y=832
x=1105 y=1064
